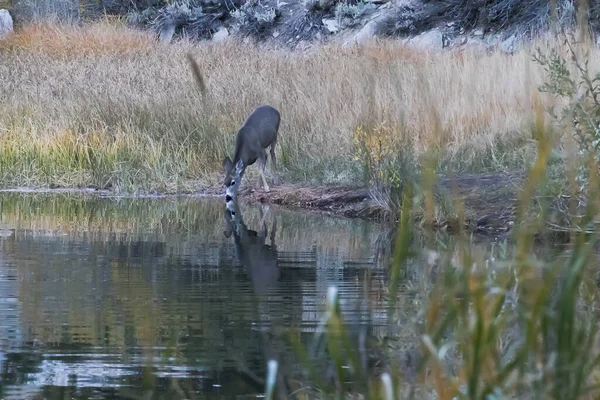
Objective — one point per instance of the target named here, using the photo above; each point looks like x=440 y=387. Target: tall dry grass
x=103 y=104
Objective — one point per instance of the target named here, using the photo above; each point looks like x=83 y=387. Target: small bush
x=387 y=168
x=407 y=20
x=255 y=19
x=349 y=14
x=573 y=82
x=325 y=5
x=196 y=20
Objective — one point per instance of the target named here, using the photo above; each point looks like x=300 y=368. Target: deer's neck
x=239 y=147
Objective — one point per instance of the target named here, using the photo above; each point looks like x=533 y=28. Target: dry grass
x=104 y=104
x=106 y=38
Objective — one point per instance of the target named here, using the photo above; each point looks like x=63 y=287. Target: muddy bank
x=489 y=201
x=344 y=201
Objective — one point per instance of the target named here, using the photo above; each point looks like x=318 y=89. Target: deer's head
x=233 y=177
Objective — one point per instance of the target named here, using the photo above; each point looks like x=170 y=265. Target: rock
x=6 y=24
x=432 y=40
x=476 y=44
x=331 y=25
x=221 y=35
x=276 y=34
x=166 y=33
x=302 y=45
x=478 y=32
x=364 y=35
x=508 y=45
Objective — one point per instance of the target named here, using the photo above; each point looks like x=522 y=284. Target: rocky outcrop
x=296 y=24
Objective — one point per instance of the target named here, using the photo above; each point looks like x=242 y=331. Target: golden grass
x=60 y=41
x=104 y=104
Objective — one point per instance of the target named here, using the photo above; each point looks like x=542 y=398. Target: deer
x=258 y=132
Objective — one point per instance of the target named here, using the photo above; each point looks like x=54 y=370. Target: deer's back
x=264 y=122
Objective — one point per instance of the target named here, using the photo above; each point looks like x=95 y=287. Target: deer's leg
x=274 y=164
x=262 y=162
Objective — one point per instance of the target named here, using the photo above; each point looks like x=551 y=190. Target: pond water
x=169 y=298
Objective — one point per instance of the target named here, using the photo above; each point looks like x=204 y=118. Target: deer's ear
x=239 y=166
x=227 y=164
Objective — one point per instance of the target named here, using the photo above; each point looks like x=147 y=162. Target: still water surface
x=168 y=298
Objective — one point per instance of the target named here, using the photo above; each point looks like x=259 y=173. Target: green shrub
x=349 y=14
x=580 y=116
x=387 y=167
x=255 y=19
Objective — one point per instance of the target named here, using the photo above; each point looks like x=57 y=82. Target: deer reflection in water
x=260 y=261
x=258 y=258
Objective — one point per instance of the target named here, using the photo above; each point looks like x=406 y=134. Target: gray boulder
x=6 y=24
x=366 y=34
x=432 y=40
x=221 y=35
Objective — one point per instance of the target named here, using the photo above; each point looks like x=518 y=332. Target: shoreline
x=488 y=200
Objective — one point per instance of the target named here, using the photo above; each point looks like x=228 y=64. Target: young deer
x=258 y=132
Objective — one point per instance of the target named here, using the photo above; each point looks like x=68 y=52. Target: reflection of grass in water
x=161 y=218
x=72 y=213
x=123 y=232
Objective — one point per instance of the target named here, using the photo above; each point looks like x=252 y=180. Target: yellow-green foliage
x=378 y=148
